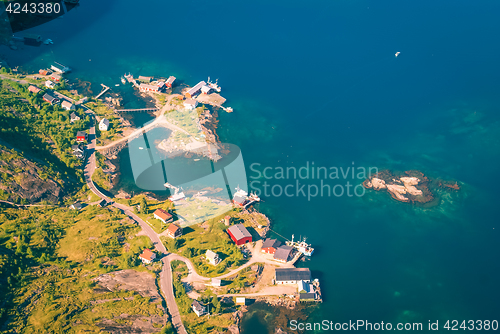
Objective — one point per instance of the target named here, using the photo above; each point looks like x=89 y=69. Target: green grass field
x=48 y=259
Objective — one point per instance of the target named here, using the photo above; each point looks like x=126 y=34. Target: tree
x=29 y=252
x=216 y=304
x=144 y=205
x=167 y=329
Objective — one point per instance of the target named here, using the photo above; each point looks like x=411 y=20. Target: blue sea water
x=318 y=82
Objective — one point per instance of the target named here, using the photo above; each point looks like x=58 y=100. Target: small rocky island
x=410 y=187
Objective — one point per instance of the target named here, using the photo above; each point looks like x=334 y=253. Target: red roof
x=147 y=255
x=163 y=214
x=34 y=89
x=172 y=229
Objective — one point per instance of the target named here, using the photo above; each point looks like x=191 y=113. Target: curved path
x=160 y=120
x=166 y=274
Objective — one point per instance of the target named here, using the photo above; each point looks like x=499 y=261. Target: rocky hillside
x=24 y=181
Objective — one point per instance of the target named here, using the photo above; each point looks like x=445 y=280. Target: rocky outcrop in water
x=410 y=187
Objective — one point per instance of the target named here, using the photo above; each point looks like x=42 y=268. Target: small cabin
x=74 y=117
x=81 y=136
x=147 y=256
x=174 y=231
x=170 y=81
x=34 y=89
x=212 y=257
x=198 y=308
x=163 y=215
x=104 y=125
x=50 y=99
x=67 y=105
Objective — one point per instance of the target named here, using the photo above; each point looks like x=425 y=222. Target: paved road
x=166 y=274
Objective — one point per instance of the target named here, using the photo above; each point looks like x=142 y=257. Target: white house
x=216 y=282
x=67 y=105
x=190 y=104
x=147 y=256
x=74 y=117
x=212 y=257
x=241 y=301
x=305 y=287
x=50 y=84
x=104 y=124
x=205 y=89
x=198 y=308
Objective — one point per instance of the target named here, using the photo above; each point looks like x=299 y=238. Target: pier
x=138 y=110
x=105 y=89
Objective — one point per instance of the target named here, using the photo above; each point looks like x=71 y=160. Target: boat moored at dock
x=301 y=246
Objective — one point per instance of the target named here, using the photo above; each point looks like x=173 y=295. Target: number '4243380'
x=479 y=325
x=33 y=8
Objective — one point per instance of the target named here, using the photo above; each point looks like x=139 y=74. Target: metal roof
x=271 y=243
x=81 y=134
x=239 y=231
x=293 y=274
x=239 y=199
x=198 y=306
x=307 y=296
x=196 y=88
x=49 y=97
x=283 y=253
x=211 y=254
x=66 y=103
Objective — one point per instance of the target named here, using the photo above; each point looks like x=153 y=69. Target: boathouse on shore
x=192 y=91
x=291 y=275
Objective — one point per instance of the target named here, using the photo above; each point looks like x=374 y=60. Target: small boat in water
x=301 y=246
x=214 y=85
x=123 y=80
x=397 y=54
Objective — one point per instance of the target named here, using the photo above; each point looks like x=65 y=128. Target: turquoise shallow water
x=318 y=82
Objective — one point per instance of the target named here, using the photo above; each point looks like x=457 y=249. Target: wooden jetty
x=138 y=110
x=105 y=89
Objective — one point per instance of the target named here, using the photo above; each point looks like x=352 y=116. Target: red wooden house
x=239 y=234
x=81 y=136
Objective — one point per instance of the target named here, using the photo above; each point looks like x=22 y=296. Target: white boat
x=123 y=80
x=397 y=54
x=48 y=41
x=242 y=199
x=301 y=246
x=214 y=85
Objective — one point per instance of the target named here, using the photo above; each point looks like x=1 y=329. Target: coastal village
x=258 y=267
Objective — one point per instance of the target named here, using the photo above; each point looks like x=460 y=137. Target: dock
x=213 y=99
x=105 y=89
x=297 y=256
x=138 y=110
